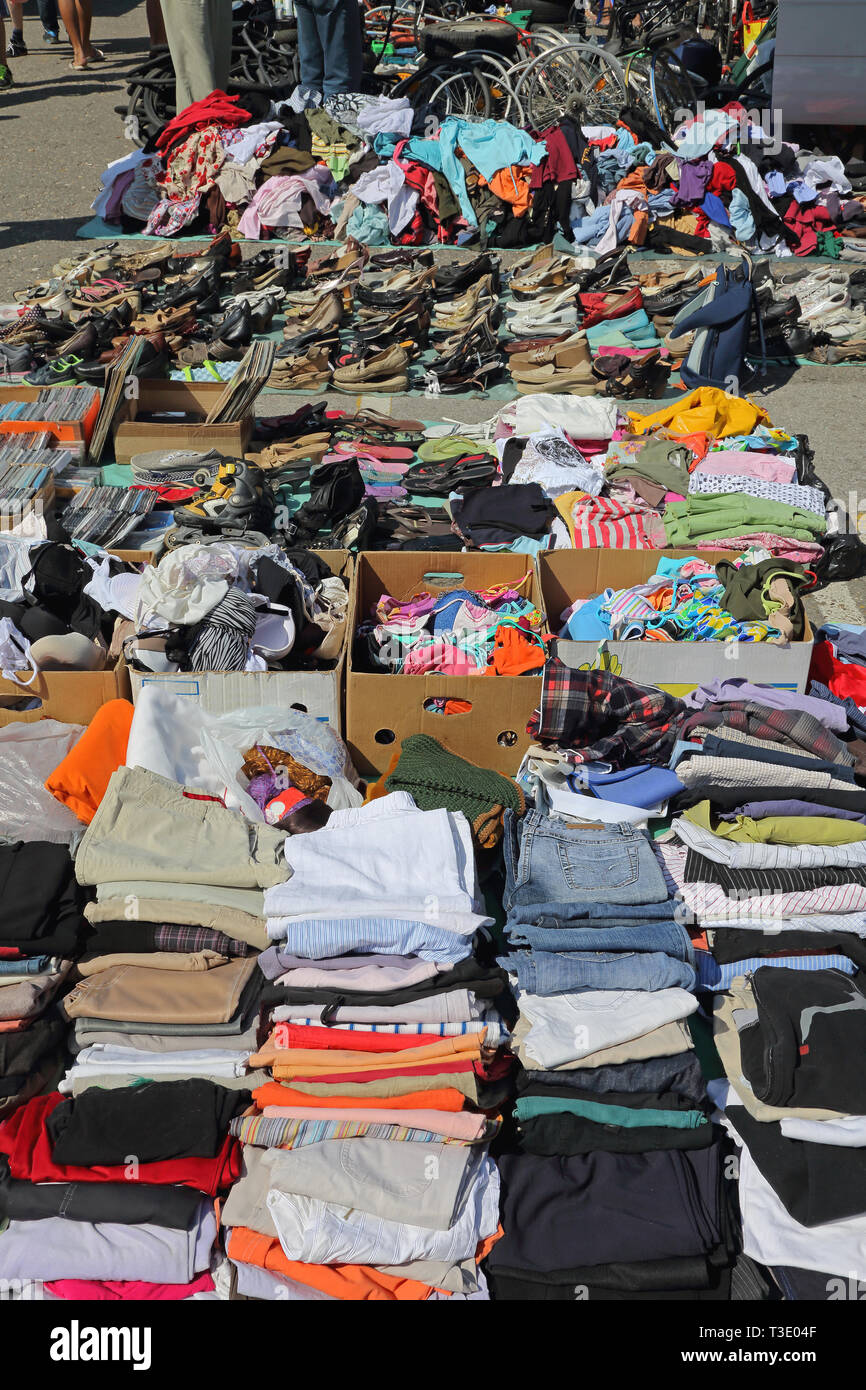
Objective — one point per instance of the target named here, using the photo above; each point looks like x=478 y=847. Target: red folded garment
x=24 y=1139
x=103 y=1290
x=347 y=1040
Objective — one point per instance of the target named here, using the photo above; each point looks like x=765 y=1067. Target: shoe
x=237 y=500
x=61 y=372
x=17 y=47
x=393 y=290
x=336 y=264
x=50 y=37
x=221 y=251
x=378 y=371
x=470 y=366
x=521 y=363
x=153 y=363
x=854 y=350
x=551 y=274
x=609 y=304
x=15 y=359
x=412 y=322
x=569 y=370
x=286 y=454
x=327 y=313
x=305 y=371
x=6 y=79
x=458 y=276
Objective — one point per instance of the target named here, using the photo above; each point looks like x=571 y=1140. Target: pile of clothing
x=458 y=632
x=380 y=170
x=225 y=607
x=709 y=472
x=691 y=601
x=365 y=1164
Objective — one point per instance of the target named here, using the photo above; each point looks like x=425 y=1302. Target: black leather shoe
x=456 y=277
x=151 y=363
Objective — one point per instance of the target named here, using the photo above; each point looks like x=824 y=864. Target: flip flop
x=361 y=448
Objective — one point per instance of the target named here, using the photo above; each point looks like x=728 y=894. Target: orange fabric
x=639 y=227
x=512 y=186
x=513 y=653
x=273 y=1093
x=351 y=1282
x=81 y=780
x=467 y=1046
x=377 y=789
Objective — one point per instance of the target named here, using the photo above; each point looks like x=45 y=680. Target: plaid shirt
x=602 y=717
x=178 y=938
x=790 y=726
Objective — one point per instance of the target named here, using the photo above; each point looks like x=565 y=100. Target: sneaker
x=5 y=74
x=237 y=500
x=58 y=373
x=17 y=47
x=49 y=36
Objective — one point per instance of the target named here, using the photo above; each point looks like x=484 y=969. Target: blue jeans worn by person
x=553 y=868
x=329 y=45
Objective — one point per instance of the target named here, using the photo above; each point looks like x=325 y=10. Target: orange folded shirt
x=274 y=1093
x=352 y=1282
x=81 y=780
x=466 y=1045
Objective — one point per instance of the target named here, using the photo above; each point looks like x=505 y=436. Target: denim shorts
x=551 y=866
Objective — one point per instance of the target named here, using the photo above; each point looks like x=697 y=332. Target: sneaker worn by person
x=237 y=500
x=5 y=75
x=17 y=47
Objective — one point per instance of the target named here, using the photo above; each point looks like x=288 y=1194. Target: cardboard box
x=383 y=709
x=132 y=435
x=68 y=433
x=678 y=667
x=73 y=697
x=319 y=693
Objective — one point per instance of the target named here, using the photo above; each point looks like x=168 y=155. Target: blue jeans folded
x=560 y=870
x=545 y=972
x=668 y=937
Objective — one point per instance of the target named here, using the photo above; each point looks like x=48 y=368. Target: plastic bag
x=175 y=737
x=28 y=754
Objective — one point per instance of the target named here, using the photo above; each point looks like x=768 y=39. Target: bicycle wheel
x=673 y=93
x=463 y=94
x=573 y=80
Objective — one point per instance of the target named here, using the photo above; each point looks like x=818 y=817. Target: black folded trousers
x=128 y=1203
x=40 y=901
x=161 y=1120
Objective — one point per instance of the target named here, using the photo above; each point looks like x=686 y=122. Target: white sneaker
x=816 y=309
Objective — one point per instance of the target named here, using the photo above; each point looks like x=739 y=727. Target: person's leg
x=85 y=19
x=16 y=38
x=199 y=40
x=49 y=17
x=155 y=25
x=69 y=15
x=339 y=27
x=310 y=51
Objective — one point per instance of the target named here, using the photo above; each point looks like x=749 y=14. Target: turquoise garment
x=528 y=1107
x=588 y=624
x=488 y=145
x=369 y=225
x=741 y=217
x=523 y=545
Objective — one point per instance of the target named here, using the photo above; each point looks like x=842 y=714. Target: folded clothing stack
x=611 y=1119
x=110 y=1194
x=769 y=857
x=383 y=1040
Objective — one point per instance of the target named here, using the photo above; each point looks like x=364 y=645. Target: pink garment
x=278 y=202
x=442 y=657
x=785 y=547
x=773 y=468
x=131 y=1290
x=459 y=1124
x=118 y=188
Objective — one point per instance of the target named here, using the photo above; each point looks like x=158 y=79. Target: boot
x=237 y=500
